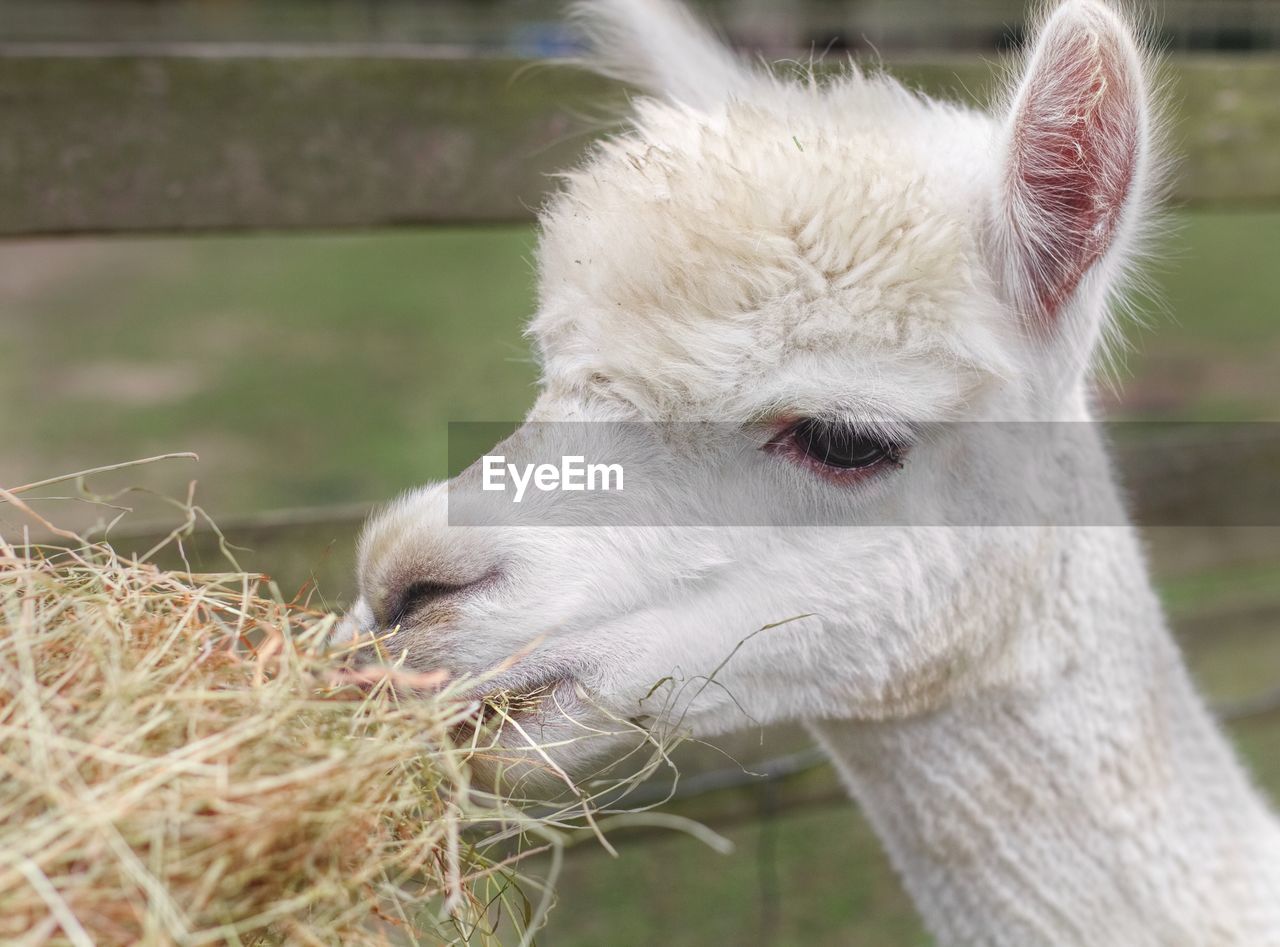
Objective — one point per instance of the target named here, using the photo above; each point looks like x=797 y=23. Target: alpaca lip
x=496 y=706
x=518 y=695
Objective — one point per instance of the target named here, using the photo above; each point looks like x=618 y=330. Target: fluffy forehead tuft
x=704 y=249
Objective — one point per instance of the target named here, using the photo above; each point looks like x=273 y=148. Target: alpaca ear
x=658 y=46
x=1073 y=163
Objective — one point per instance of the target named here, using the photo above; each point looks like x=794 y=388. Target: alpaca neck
x=1095 y=805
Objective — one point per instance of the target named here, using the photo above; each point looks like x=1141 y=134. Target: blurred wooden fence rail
x=109 y=138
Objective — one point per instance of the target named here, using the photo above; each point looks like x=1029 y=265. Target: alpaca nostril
x=371 y=631
x=375 y=636
x=418 y=595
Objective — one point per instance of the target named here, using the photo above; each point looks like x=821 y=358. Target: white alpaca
x=824 y=263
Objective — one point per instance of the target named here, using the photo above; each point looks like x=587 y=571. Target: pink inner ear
x=1074 y=157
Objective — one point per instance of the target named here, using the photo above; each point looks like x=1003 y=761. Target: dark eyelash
x=798 y=441
x=838 y=435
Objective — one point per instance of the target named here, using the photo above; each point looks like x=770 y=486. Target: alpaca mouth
x=519 y=701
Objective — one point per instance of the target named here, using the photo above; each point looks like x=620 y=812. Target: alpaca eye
x=837 y=450
x=838 y=445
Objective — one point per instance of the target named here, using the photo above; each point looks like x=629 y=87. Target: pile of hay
x=182 y=762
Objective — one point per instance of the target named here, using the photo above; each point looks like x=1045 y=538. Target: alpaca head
x=840 y=271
